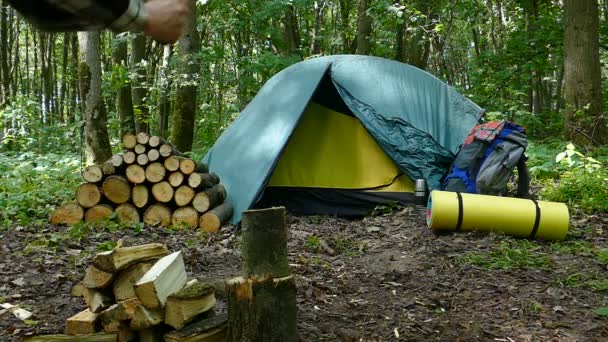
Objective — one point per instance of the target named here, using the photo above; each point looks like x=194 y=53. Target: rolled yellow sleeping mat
x=452 y=211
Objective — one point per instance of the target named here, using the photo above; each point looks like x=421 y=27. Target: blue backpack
x=485 y=162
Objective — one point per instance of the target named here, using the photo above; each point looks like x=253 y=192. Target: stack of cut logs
x=142 y=293
x=150 y=179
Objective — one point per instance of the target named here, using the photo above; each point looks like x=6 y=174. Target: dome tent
x=341 y=134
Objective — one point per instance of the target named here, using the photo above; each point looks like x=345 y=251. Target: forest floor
x=383 y=278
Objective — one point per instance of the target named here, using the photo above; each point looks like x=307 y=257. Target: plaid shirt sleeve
x=82 y=15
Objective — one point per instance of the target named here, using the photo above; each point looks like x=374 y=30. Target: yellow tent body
x=331 y=152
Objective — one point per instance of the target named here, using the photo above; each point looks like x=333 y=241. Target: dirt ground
x=383 y=278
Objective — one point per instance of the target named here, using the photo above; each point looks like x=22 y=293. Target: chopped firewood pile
x=151 y=182
x=142 y=293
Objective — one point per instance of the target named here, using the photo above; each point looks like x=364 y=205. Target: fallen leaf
x=559 y=309
x=373 y=229
x=601 y=311
x=18 y=281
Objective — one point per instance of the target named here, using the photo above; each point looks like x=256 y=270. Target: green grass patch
x=32 y=185
x=348 y=247
x=602 y=256
x=511 y=255
x=572 y=247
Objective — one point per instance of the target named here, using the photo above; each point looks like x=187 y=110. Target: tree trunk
x=138 y=54
x=364 y=28
x=290 y=30
x=123 y=96
x=182 y=134
x=262 y=305
x=345 y=7
x=64 y=76
x=165 y=86
x=4 y=67
x=582 y=74
x=96 y=131
x=73 y=79
x=315 y=41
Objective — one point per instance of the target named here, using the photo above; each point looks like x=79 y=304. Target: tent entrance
x=332 y=165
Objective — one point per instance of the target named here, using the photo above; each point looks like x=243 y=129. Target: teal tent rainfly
x=368 y=126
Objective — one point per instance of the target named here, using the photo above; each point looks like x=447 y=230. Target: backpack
x=486 y=160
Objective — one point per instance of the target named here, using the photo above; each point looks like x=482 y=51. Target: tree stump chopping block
x=262 y=305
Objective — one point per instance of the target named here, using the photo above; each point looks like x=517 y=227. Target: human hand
x=167 y=19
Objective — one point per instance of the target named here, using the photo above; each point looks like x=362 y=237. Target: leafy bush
x=32 y=185
x=22 y=130
x=583 y=182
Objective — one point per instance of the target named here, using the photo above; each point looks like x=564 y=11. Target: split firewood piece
x=98 y=212
x=140 y=196
x=143 y=138
x=78 y=290
x=162 y=192
x=145 y=318
x=117 y=160
x=92 y=173
x=209 y=198
x=126 y=334
x=166 y=277
x=185 y=215
x=116 y=189
x=153 y=155
x=142 y=159
x=127 y=213
x=112 y=318
x=129 y=157
x=123 y=285
x=129 y=141
x=183 y=195
x=130 y=305
x=157 y=215
x=156 y=141
x=211 y=329
x=167 y=150
x=96 y=278
x=136 y=174
x=212 y=221
x=140 y=149
x=176 y=179
x=188 y=166
x=88 y=195
x=203 y=180
x=108 y=168
x=155 y=172
x=191 y=301
x=69 y=213
x=172 y=163
x=96 y=300
x=122 y=257
x=154 y=334
x=99 y=337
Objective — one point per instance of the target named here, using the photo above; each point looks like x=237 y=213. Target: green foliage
x=602 y=311
x=32 y=185
x=572 y=247
x=598 y=285
x=602 y=256
x=22 y=130
x=583 y=181
x=106 y=246
x=348 y=247
x=313 y=243
x=509 y=255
